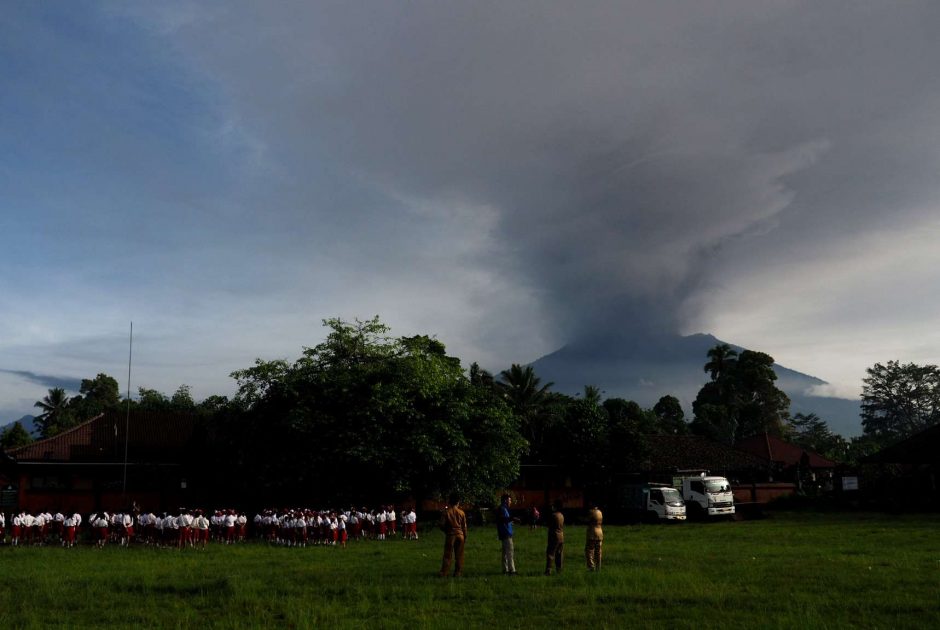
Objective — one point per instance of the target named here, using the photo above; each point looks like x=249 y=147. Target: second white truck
x=707 y=496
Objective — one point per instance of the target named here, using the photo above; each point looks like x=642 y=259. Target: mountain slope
x=28 y=424
x=648 y=367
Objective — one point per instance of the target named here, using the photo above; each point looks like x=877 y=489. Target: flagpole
x=127 y=419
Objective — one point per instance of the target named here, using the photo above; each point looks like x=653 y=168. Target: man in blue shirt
x=504 y=530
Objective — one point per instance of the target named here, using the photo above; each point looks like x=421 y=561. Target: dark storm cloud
x=67 y=383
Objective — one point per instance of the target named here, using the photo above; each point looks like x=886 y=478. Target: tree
x=182 y=399
x=899 y=400
x=14 y=436
x=56 y=415
x=627 y=424
x=529 y=399
x=811 y=432
x=592 y=394
x=670 y=416
x=764 y=407
x=521 y=388
x=742 y=398
x=363 y=415
x=96 y=395
x=151 y=400
x=721 y=358
x=479 y=376
x=583 y=436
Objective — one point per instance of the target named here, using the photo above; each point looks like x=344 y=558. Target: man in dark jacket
x=504 y=530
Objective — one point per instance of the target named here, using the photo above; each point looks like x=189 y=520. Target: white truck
x=654 y=502
x=707 y=496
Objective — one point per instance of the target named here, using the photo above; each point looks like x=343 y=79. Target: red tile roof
x=687 y=452
x=780 y=451
x=153 y=437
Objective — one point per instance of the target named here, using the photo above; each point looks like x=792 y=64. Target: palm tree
x=592 y=394
x=721 y=357
x=521 y=388
x=53 y=406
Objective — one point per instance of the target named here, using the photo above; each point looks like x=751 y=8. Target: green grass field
x=789 y=571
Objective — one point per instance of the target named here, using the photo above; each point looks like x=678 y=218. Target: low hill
x=28 y=423
x=645 y=368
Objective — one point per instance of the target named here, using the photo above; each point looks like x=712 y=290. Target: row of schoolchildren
x=40 y=528
x=299 y=527
x=189 y=527
x=192 y=528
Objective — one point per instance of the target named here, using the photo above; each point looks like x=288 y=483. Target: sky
x=506 y=176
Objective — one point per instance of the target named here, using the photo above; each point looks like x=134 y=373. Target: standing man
x=555 y=552
x=595 y=539
x=454 y=525
x=504 y=530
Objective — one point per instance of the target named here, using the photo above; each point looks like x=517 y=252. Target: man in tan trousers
x=595 y=539
x=454 y=525
x=555 y=551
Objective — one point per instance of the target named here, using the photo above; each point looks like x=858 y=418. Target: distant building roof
x=688 y=452
x=779 y=451
x=153 y=437
x=922 y=448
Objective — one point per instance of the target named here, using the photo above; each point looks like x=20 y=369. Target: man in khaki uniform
x=595 y=539
x=555 y=552
x=454 y=525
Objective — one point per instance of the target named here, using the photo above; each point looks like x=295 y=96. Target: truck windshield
x=717 y=485
x=671 y=496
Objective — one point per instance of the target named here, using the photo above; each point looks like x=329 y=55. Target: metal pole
x=127 y=419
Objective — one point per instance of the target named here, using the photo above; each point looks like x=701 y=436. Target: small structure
x=809 y=470
x=92 y=466
x=903 y=476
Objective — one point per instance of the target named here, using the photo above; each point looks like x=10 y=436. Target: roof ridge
x=57 y=435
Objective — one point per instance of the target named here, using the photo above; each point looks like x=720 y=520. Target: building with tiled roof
x=906 y=475
x=108 y=462
x=784 y=453
x=668 y=454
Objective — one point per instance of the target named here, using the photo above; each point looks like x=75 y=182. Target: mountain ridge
x=644 y=368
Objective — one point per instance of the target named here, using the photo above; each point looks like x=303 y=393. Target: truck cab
x=708 y=496
x=665 y=503
x=652 y=502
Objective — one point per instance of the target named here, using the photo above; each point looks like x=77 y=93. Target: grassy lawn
x=789 y=571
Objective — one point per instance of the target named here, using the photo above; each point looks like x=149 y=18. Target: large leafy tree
x=365 y=415
x=899 y=400
x=670 y=416
x=741 y=399
x=95 y=396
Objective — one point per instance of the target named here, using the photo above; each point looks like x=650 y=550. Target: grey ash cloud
x=624 y=146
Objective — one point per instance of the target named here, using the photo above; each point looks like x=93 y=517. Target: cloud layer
x=507 y=175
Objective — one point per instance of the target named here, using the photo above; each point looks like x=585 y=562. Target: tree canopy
x=741 y=399
x=363 y=414
x=14 y=436
x=899 y=400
